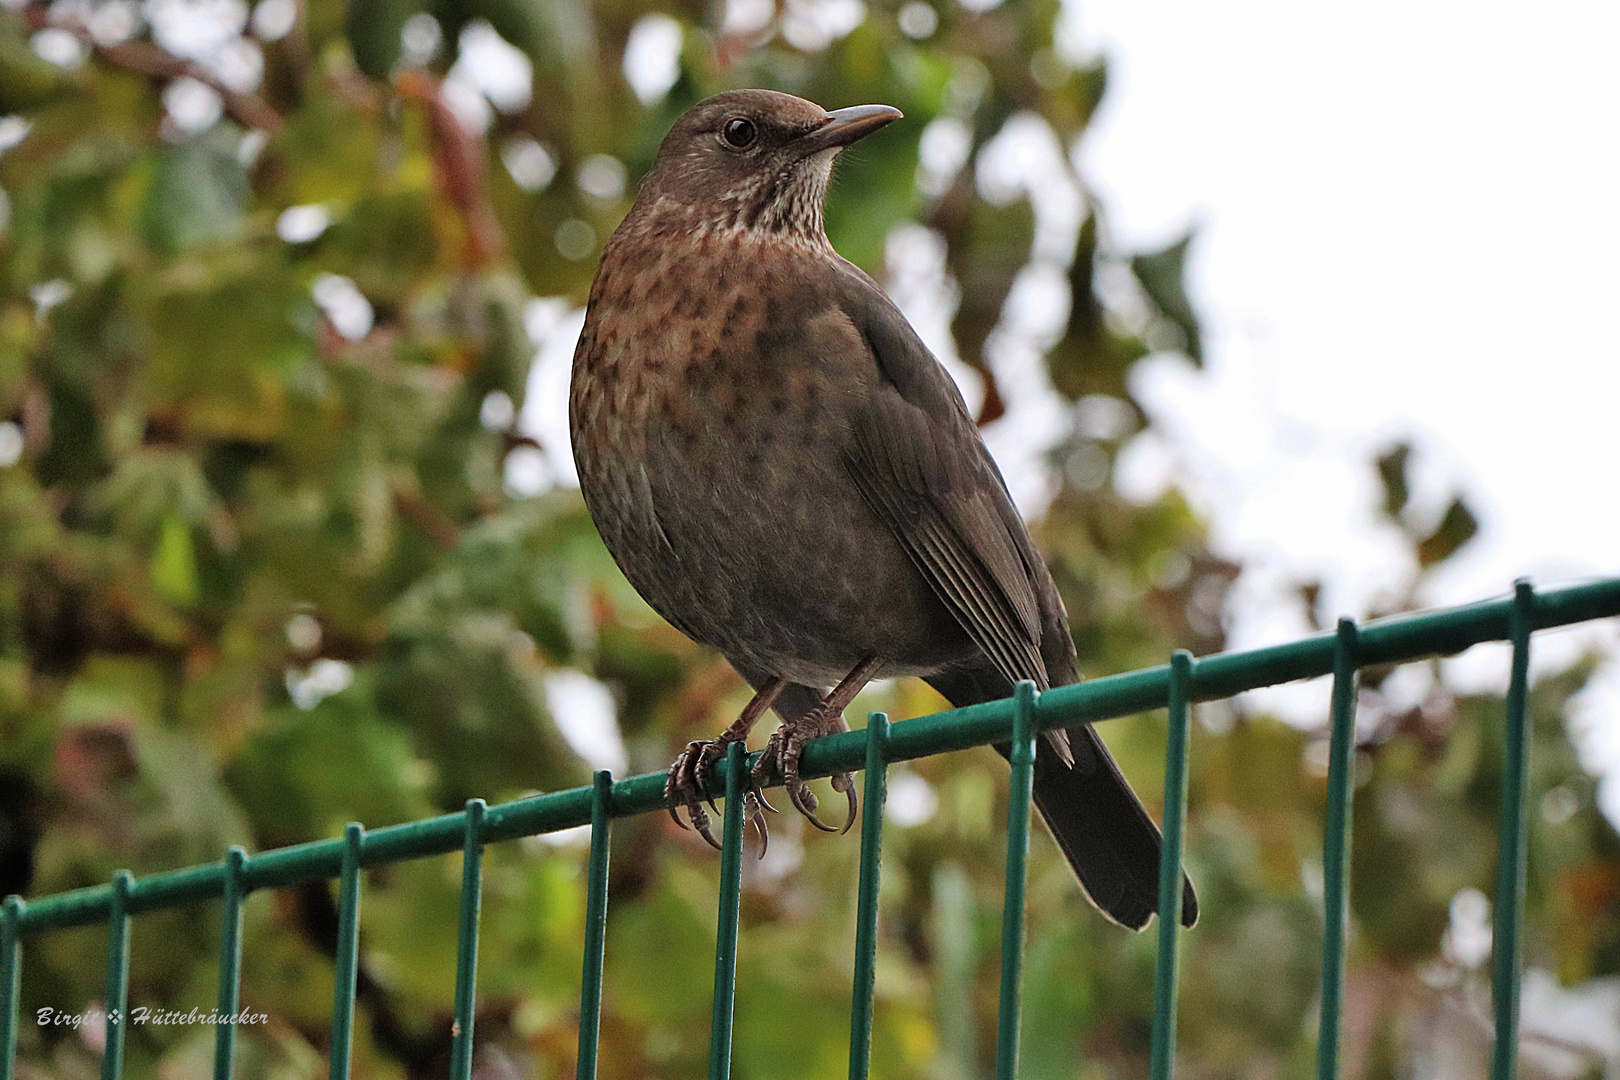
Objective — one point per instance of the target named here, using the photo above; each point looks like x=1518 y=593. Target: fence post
x=1510 y=872
x=230 y=962
x=866 y=904
x=117 y=1005
x=596 y=901
x=348 y=953
x=1161 y=1063
x=725 y=945
x=1336 y=847
x=1022 y=756
x=10 y=982
x=472 y=900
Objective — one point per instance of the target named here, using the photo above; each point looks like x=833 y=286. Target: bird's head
x=753 y=160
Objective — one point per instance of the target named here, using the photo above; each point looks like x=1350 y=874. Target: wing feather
x=917 y=457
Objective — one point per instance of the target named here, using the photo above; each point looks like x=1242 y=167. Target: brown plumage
x=785 y=473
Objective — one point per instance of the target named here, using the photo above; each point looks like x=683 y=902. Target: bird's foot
x=781 y=758
x=689 y=785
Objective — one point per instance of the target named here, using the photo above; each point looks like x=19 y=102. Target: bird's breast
x=726 y=343
x=710 y=420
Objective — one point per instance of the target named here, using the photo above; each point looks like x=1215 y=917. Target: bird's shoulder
x=917 y=456
x=916 y=411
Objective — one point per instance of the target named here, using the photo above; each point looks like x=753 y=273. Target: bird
x=786 y=474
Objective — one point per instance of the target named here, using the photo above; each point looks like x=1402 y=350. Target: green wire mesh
x=1017 y=721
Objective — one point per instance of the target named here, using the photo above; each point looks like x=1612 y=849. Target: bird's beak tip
x=844 y=126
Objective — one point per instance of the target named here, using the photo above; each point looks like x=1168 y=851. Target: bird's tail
x=1103 y=830
x=1095 y=817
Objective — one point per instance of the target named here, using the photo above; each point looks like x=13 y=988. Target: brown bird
x=786 y=474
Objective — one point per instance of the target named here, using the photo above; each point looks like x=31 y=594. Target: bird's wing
x=917 y=457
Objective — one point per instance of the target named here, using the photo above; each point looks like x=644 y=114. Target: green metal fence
x=1018 y=719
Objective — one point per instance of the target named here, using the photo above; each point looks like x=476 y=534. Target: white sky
x=1409 y=228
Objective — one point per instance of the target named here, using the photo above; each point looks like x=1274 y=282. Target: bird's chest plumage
x=687 y=363
x=709 y=409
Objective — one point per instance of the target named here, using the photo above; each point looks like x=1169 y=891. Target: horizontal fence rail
x=1017 y=720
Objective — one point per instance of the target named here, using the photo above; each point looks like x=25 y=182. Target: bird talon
x=703 y=831
x=702 y=771
x=845 y=782
x=689 y=785
x=700 y=822
x=761 y=773
x=806 y=802
x=756 y=818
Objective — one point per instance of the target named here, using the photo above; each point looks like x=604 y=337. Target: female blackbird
x=785 y=473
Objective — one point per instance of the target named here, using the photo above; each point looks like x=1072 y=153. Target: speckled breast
x=709 y=411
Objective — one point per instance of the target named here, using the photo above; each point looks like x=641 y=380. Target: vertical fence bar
x=1161 y=1064
x=1511 y=856
x=472 y=899
x=1022 y=756
x=112 y=1054
x=596 y=901
x=348 y=953
x=1336 y=847
x=10 y=982
x=866 y=905
x=725 y=944
x=230 y=963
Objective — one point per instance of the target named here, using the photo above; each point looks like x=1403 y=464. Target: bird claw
x=845 y=782
x=689 y=780
x=688 y=785
x=756 y=817
x=781 y=756
x=759 y=794
x=806 y=802
x=700 y=822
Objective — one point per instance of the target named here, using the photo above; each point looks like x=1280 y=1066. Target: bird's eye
x=739 y=134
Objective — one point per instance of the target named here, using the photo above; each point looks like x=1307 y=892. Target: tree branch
x=146 y=58
x=458 y=157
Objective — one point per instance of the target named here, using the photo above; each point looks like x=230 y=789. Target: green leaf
x=988 y=247
x=306 y=773
x=76 y=453
x=1392 y=465
x=225 y=349
x=1091 y=357
x=174 y=564
x=386 y=243
x=373 y=28
x=1163 y=277
x=1456 y=528
x=26 y=80
x=197 y=194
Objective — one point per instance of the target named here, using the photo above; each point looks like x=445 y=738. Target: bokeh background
x=288 y=532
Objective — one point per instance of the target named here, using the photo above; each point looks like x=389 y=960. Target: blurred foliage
x=263 y=571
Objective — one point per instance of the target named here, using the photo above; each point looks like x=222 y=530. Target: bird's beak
x=844 y=126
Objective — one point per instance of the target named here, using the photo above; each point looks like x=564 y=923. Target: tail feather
x=1104 y=831
x=1098 y=822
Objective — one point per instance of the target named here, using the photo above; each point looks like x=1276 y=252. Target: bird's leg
x=787 y=744
x=688 y=782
